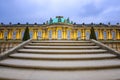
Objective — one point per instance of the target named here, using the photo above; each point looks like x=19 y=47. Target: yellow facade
x=66 y=32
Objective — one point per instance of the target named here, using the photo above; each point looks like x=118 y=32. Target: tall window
x=79 y=35
x=50 y=34
x=59 y=34
x=22 y=33
x=87 y=35
x=68 y=34
x=39 y=35
x=96 y=33
x=113 y=35
x=5 y=35
x=31 y=34
x=14 y=35
x=105 y=35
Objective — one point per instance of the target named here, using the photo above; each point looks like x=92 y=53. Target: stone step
x=62 y=51
x=8 y=73
x=61 y=41
x=61 y=65
x=35 y=74
x=48 y=60
x=62 y=47
x=62 y=57
x=62 y=44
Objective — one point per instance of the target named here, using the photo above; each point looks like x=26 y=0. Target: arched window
x=59 y=34
x=79 y=35
x=14 y=35
x=22 y=34
x=5 y=35
x=31 y=34
x=105 y=35
x=87 y=35
x=113 y=35
x=39 y=35
x=68 y=34
x=50 y=34
x=96 y=33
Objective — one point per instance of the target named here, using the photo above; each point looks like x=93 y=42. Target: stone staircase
x=73 y=57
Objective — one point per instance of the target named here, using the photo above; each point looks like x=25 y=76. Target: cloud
x=41 y=10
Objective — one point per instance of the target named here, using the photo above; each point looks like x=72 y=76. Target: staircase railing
x=4 y=46
x=113 y=44
x=113 y=51
x=14 y=49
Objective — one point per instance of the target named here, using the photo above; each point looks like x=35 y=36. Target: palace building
x=60 y=28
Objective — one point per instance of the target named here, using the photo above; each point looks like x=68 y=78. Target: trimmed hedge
x=92 y=34
x=26 y=35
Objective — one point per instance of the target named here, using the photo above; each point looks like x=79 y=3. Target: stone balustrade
x=113 y=44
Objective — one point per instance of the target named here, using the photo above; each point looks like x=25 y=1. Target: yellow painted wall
x=73 y=32
x=1 y=34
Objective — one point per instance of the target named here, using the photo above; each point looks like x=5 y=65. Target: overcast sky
x=79 y=11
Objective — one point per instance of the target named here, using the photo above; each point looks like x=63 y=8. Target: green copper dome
x=59 y=19
x=55 y=20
